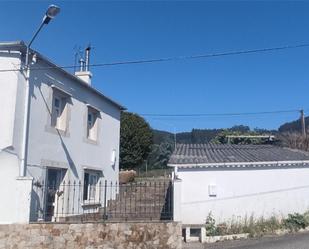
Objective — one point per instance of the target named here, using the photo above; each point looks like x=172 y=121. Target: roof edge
x=237 y=164
x=21 y=46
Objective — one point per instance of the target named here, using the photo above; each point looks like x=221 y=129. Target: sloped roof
x=21 y=46
x=211 y=154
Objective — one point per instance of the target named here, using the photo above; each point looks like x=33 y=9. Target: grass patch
x=257 y=227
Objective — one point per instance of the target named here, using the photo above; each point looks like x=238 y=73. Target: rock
x=127 y=176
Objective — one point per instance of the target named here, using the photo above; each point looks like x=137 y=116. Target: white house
x=72 y=136
x=238 y=181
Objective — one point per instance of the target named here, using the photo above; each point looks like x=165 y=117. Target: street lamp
x=50 y=14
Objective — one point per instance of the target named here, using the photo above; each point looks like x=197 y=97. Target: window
x=57 y=110
x=58 y=118
x=212 y=190
x=91 y=180
x=92 y=124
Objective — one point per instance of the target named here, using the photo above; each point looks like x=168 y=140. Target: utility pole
x=303 y=123
x=175 y=138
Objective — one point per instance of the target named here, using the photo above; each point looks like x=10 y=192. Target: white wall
x=46 y=145
x=8 y=93
x=47 y=148
x=15 y=192
x=242 y=192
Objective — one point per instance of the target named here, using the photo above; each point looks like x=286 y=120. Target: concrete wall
x=242 y=192
x=15 y=192
x=71 y=150
x=91 y=236
x=8 y=94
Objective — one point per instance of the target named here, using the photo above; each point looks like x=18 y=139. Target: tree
x=294 y=126
x=159 y=156
x=294 y=141
x=136 y=139
x=222 y=137
x=240 y=128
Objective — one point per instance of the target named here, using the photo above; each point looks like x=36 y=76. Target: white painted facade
x=236 y=193
x=48 y=148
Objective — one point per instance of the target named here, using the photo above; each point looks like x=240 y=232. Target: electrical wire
x=190 y=57
x=217 y=114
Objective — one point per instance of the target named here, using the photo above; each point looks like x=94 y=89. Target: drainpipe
x=23 y=161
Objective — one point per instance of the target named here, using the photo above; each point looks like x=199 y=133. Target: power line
x=218 y=114
x=190 y=57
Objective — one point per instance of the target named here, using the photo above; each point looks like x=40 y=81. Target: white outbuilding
x=233 y=182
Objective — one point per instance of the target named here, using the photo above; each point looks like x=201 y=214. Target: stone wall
x=92 y=235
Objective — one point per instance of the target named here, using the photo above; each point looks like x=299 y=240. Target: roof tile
x=227 y=153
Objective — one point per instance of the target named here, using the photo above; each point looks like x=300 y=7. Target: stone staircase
x=145 y=200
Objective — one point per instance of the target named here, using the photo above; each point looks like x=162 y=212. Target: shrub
x=295 y=222
x=272 y=224
x=249 y=226
x=210 y=226
x=235 y=227
x=306 y=217
x=263 y=226
x=222 y=229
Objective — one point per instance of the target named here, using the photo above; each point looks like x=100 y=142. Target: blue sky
x=143 y=29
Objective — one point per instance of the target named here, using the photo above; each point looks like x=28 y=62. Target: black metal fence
x=102 y=200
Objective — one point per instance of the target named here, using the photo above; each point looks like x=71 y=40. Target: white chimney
x=85 y=76
x=84 y=73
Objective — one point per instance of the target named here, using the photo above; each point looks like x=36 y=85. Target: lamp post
x=50 y=14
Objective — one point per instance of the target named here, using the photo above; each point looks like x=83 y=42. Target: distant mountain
x=160 y=137
x=194 y=136
x=197 y=136
x=294 y=126
x=206 y=135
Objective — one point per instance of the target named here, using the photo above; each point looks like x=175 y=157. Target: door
x=54 y=179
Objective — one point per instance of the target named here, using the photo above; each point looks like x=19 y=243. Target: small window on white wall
x=92 y=124
x=58 y=117
x=113 y=157
x=212 y=190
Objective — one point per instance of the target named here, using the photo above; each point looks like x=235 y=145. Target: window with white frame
x=59 y=106
x=91 y=180
x=92 y=124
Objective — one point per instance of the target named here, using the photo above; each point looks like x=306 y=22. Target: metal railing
x=101 y=201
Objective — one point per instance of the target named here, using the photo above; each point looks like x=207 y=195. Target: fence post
x=177 y=200
x=105 y=202
x=23 y=197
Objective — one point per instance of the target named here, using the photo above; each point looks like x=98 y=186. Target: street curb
x=214 y=239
